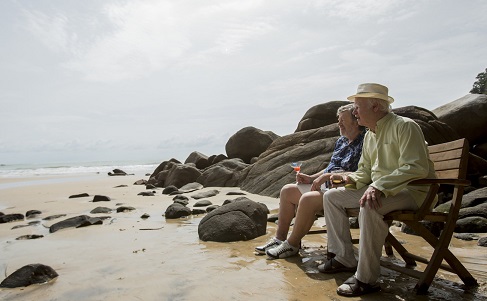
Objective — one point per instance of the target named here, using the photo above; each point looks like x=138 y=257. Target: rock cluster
x=264 y=170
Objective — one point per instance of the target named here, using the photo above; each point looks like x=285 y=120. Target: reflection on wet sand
x=121 y=260
x=395 y=286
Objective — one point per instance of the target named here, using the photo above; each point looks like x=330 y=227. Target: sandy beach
x=130 y=258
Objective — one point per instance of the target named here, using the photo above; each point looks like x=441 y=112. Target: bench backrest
x=450 y=159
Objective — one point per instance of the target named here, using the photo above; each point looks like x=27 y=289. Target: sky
x=150 y=80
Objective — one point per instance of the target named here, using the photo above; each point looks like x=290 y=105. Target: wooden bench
x=450 y=160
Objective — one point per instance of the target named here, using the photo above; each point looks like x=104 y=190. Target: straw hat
x=372 y=91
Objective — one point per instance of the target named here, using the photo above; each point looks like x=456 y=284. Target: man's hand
x=371 y=197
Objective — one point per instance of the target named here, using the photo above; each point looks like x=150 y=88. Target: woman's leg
x=289 y=199
x=310 y=204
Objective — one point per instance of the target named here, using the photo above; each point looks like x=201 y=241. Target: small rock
x=147 y=193
x=81 y=195
x=203 y=203
x=190 y=187
x=205 y=194
x=482 y=242
x=101 y=210
x=31 y=236
x=101 y=198
x=29 y=274
x=197 y=211
x=125 y=209
x=51 y=217
x=177 y=210
x=119 y=186
x=32 y=213
x=235 y=193
x=145 y=216
x=7 y=218
x=117 y=172
x=273 y=218
x=140 y=182
x=180 y=197
x=169 y=189
x=76 y=222
x=466 y=236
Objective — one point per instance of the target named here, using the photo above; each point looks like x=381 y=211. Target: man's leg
x=335 y=202
x=310 y=204
x=373 y=232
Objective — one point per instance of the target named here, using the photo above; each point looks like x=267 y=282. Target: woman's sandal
x=353 y=287
x=332 y=266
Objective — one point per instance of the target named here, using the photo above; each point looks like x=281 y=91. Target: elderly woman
x=307 y=193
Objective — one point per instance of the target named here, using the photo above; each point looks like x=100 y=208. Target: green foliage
x=480 y=86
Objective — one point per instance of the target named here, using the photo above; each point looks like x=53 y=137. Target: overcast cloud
x=149 y=80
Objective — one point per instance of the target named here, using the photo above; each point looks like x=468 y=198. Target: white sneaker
x=284 y=250
x=272 y=243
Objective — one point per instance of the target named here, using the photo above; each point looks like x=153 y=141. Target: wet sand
x=129 y=258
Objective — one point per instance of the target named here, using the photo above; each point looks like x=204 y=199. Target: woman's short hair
x=347 y=107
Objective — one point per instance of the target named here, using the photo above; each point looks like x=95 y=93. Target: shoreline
x=130 y=258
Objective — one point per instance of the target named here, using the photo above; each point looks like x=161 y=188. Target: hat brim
x=372 y=95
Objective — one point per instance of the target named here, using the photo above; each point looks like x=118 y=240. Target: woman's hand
x=316 y=184
x=302 y=178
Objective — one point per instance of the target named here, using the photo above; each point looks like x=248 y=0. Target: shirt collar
x=383 y=121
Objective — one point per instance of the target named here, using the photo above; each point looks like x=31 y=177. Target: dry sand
x=129 y=258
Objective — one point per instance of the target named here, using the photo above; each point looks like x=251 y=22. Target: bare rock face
x=248 y=143
x=314 y=148
x=467 y=116
x=222 y=174
x=242 y=219
x=29 y=274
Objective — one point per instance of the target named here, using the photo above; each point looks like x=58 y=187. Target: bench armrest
x=426 y=181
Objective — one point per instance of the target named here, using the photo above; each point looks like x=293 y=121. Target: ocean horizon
x=75 y=168
x=49 y=173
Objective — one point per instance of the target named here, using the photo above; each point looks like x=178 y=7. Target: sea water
x=65 y=172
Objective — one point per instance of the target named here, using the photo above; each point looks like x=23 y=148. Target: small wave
x=63 y=169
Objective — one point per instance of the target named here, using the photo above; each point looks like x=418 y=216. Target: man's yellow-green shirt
x=393 y=156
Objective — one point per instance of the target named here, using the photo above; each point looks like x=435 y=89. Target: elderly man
x=308 y=193
x=394 y=153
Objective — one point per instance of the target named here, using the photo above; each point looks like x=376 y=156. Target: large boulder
x=198 y=159
x=435 y=131
x=467 y=116
x=320 y=115
x=248 y=143
x=272 y=171
x=222 y=174
x=180 y=174
x=153 y=179
x=243 y=219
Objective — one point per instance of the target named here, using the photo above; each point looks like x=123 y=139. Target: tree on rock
x=480 y=86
